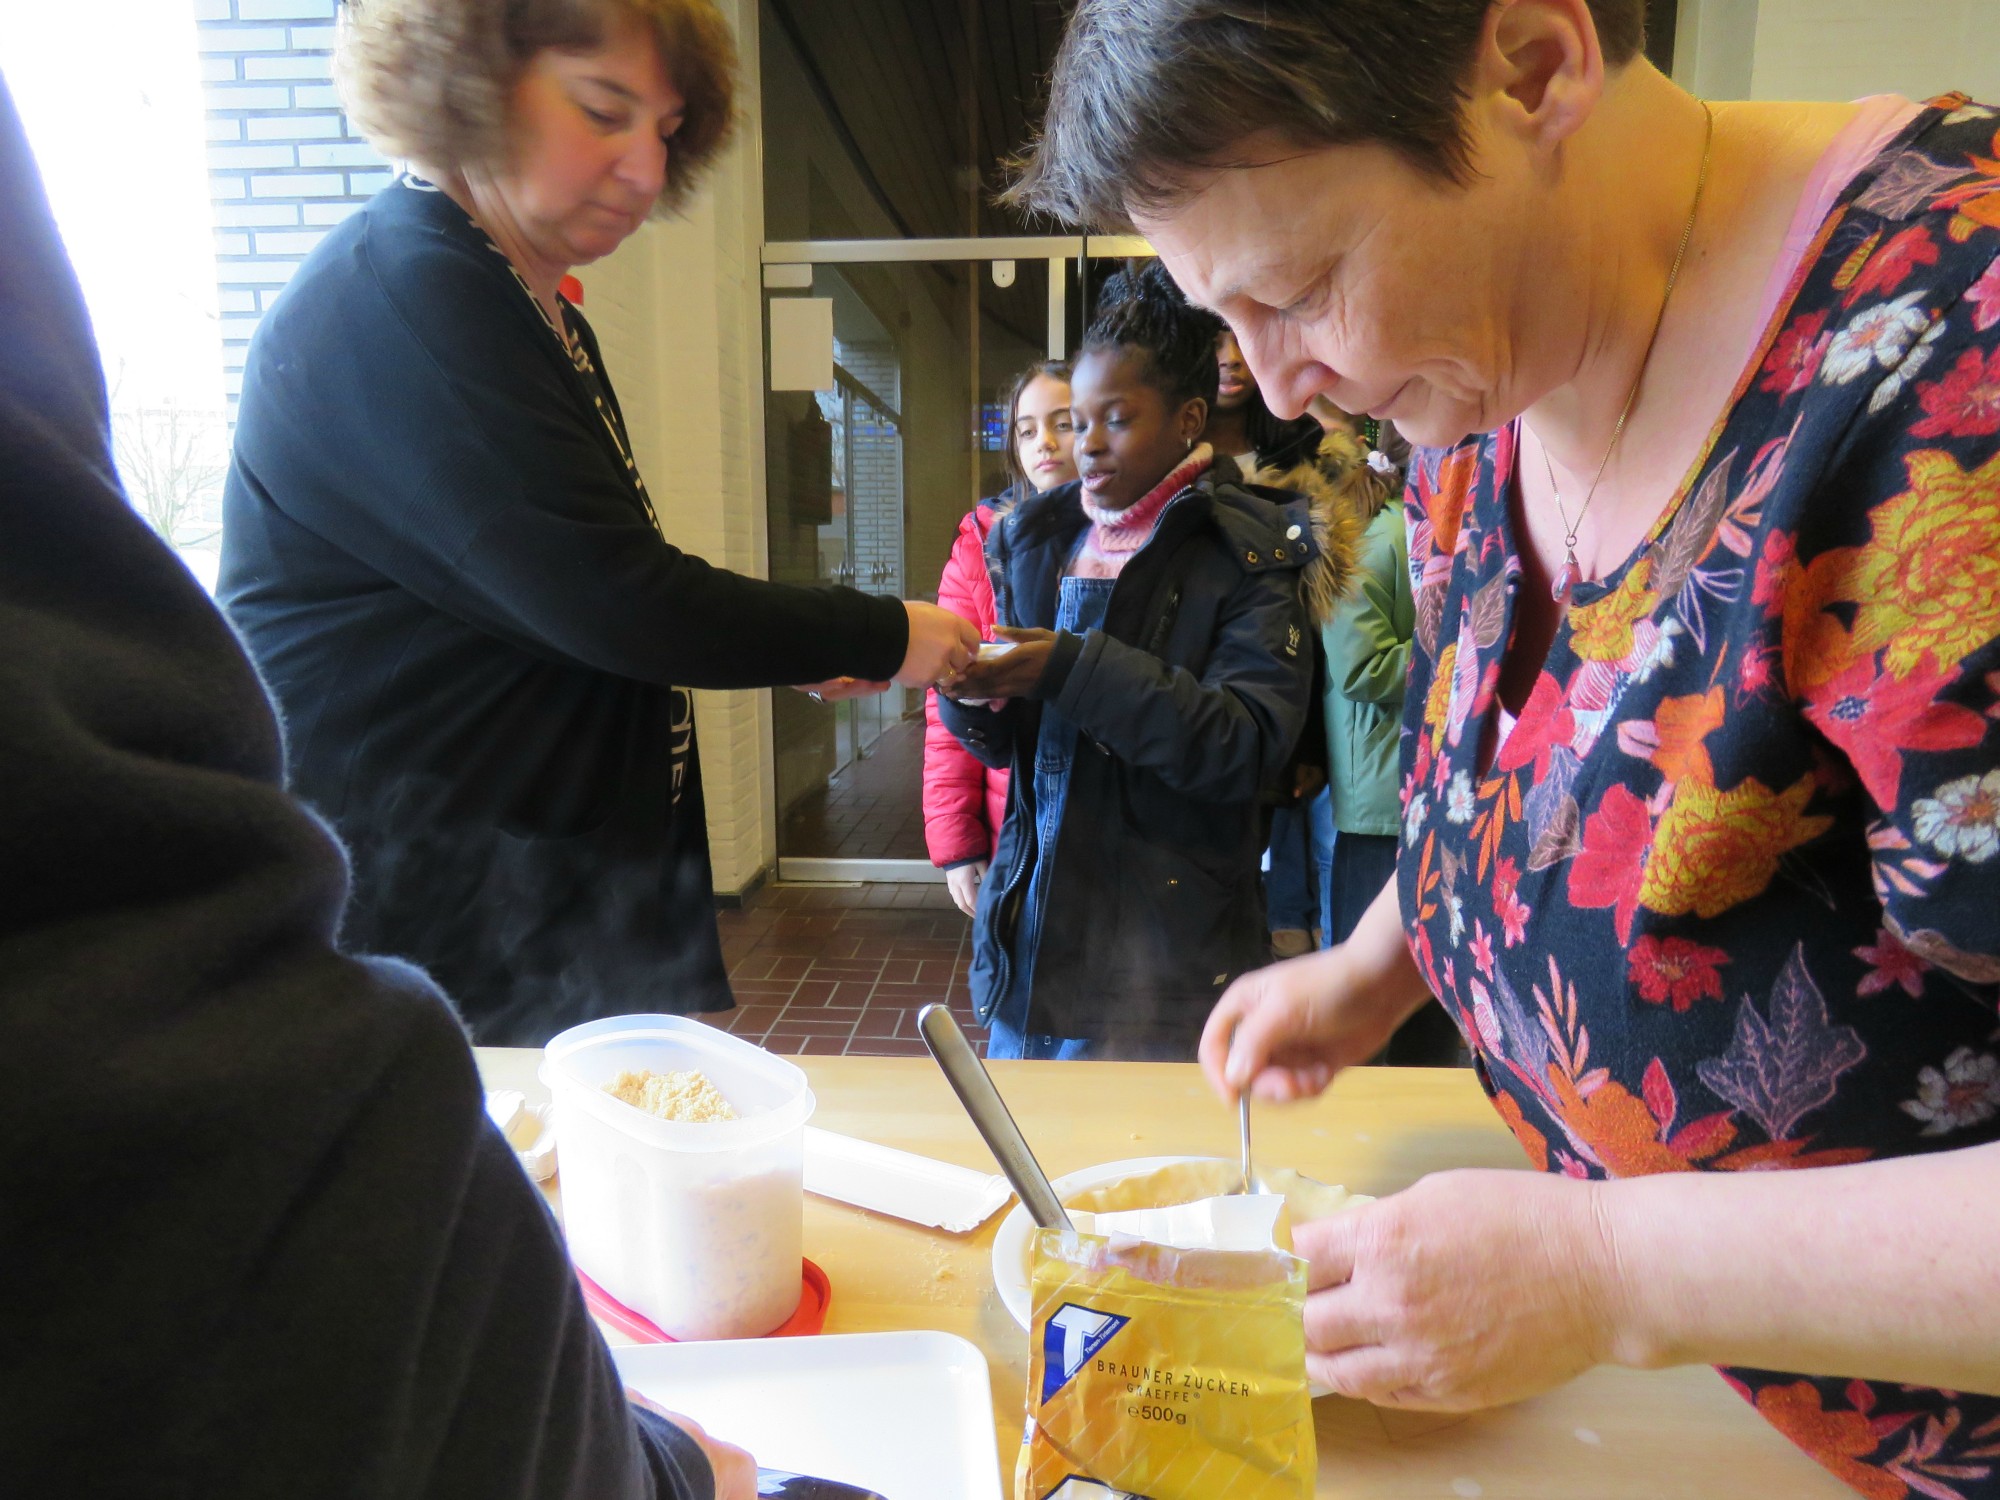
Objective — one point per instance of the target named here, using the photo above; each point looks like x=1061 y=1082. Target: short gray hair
x=1144 y=90
x=428 y=80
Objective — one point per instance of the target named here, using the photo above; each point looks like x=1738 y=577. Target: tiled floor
x=845 y=969
x=871 y=809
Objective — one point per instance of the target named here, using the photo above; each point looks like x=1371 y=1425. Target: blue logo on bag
x=1070 y=1337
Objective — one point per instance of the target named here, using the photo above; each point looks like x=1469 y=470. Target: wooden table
x=1614 y=1433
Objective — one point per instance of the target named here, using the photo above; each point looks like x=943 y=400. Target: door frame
x=787 y=266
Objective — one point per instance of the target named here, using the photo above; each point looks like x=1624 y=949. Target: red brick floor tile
x=819 y=1022
x=807 y=924
x=814 y=992
x=790 y=1043
x=747 y=989
x=910 y=997
x=823 y=1046
x=929 y=947
x=880 y=1021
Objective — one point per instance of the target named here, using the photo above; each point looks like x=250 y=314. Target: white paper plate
x=909 y=1415
x=1010 y=1240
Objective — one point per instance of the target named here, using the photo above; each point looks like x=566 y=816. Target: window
x=194 y=153
x=121 y=155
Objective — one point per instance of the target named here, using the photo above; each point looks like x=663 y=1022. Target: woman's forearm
x=1885 y=1270
x=1379 y=951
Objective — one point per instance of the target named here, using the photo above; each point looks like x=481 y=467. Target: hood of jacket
x=1342 y=494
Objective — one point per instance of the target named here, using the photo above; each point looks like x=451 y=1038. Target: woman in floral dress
x=1701 y=760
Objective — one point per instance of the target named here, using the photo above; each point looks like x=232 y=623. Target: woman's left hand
x=1468 y=1289
x=1015 y=675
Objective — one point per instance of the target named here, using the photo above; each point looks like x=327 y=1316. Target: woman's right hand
x=963 y=883
x=942 y=645
x=1284 y=1031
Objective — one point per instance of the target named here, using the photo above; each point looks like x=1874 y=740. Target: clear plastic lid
x=771 y=1096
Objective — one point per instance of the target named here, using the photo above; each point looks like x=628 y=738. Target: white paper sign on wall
x=801 y=343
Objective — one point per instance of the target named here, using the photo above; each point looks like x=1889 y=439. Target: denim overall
x=1080 y=607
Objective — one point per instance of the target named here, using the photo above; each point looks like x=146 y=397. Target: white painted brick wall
x=282 y=157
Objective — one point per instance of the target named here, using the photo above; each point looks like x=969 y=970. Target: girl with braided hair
x=1158 y=676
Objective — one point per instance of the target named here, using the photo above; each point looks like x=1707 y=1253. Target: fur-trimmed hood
x=1344 y=494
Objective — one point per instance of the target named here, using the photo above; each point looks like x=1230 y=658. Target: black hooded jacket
x=257 y=1237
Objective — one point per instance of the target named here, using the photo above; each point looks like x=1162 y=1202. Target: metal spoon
x=974 y=1086
x=1252 y=1183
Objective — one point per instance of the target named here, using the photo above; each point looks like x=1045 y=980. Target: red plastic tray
x=815 y=1294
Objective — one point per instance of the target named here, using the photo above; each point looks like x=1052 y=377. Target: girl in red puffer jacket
x=964 y=802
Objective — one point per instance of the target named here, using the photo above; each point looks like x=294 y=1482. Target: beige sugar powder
x=687 y=1097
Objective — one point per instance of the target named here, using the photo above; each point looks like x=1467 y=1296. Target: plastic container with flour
x=698 y=1227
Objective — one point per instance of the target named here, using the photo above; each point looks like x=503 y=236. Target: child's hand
x=1015 y=675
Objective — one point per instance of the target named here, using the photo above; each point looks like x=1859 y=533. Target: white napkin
x=936 y=1194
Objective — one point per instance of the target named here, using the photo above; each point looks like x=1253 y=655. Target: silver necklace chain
x=1567 y=577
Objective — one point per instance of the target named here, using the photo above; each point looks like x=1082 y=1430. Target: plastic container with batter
x=698 y=1227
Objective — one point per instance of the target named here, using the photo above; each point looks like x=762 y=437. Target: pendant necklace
x=1567 y=576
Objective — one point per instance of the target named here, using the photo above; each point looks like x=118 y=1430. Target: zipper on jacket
x=1006 y=923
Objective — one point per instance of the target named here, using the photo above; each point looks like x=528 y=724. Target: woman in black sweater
x=441 y=554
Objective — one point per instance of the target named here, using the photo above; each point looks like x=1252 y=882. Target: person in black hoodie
x=256 y=1234
x=438 y=545
x=1159 y=677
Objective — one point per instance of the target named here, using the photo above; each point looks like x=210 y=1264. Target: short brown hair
x=428 y=80
x=1145 y=89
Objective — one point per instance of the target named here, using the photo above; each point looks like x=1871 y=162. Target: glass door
x=869 y=477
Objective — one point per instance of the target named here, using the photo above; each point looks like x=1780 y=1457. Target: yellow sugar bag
x=1165 y=1374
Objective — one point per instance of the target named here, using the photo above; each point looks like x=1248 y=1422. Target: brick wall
x=284 y=163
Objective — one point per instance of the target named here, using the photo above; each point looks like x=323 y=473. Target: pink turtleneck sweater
x=1115 y=536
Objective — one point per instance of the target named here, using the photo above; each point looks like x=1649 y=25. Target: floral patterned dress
x=1727 y=897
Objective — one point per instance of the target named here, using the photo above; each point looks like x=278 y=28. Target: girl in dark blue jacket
x=1158 y=679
